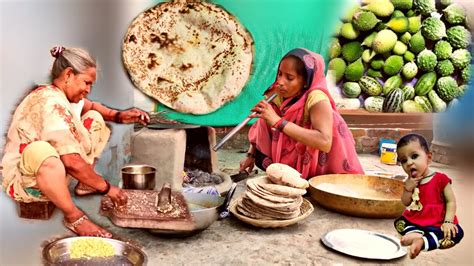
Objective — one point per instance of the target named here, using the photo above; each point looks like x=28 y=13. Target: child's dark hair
x=413 y=137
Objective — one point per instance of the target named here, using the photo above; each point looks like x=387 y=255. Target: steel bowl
x=58 y=253
x=205 y=210
x=138 y=176
x=358 y=195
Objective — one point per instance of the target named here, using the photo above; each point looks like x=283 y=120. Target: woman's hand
x=247 y=164
x=134 y=115
x=450 y=230
x=118 y=196
x=265 y=111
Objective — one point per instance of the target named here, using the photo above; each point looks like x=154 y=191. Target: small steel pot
x=138 y=176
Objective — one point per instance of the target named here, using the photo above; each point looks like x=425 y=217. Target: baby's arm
x=448 y=227
x=406 y=197
x=409 y=187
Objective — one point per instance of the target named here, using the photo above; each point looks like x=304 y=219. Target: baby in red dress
x=430 y=221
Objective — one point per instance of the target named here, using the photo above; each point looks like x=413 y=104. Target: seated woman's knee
x=39 y=155
x=52 y=165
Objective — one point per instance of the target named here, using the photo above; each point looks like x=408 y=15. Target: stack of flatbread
x=277 y=196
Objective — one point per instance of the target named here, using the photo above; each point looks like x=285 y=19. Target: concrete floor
x=232 y=242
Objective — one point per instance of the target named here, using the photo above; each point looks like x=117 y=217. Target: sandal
x=72 y=226
x=83 y=190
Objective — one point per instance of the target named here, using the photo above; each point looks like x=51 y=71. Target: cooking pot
x=205 y=209
x=138 y=176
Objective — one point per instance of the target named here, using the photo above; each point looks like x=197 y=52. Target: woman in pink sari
x=301 y=127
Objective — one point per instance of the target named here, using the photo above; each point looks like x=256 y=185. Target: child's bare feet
x=416 y=247
x=407 y=239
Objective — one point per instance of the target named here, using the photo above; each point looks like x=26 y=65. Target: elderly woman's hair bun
x=57 y=50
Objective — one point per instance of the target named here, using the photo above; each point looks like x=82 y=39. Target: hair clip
x=56 y=51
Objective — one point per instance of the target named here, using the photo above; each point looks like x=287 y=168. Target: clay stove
x=174 y=150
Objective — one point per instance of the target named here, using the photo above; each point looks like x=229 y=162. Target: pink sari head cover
x=308 y=161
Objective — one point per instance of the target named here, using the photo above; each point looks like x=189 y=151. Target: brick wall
x=366 y=139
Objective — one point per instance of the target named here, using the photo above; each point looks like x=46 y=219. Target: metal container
x=205 y=210
x=138 y=176
x=358 y=195
x=58 y=253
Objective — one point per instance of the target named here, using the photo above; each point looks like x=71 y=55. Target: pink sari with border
x=310 y=162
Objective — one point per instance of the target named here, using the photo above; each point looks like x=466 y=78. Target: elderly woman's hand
x=118 y=196
x=134 y=115
x=265 y=111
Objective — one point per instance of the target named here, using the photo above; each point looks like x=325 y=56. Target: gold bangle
x=404 y=188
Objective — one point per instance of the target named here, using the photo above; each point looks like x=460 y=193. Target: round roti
x=283 y=174
x=279 y=206
x=260 y=210
x=251 y=186
x=282 y=190
x=192 y=57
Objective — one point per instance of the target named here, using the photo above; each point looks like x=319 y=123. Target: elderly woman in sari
x=48 y=141
x=301 y=127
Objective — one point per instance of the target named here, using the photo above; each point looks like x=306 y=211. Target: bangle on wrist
x=117 y=117
x=448 y=222
x=250 y=155
x=106 y=190
x=280 y=124
x=404 y=188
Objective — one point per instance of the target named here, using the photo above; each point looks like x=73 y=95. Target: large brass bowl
x=360 y=195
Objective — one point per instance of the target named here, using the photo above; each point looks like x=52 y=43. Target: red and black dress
x=429 y=219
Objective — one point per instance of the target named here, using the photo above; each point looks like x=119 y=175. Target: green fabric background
x=277 y=26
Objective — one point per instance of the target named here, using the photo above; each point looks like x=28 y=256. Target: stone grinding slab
x=141 y=211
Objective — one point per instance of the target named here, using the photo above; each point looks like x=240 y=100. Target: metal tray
x=364 y=244
x=58 y=253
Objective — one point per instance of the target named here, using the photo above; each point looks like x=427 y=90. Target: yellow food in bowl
x=91 y=248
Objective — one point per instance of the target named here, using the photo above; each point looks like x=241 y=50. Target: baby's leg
x=409 y=231
x=408 y=239
x=416 y=247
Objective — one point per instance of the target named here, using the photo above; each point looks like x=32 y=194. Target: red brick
x=358 y=132
x=359 y=148
x=385 y=133
x=369 y=141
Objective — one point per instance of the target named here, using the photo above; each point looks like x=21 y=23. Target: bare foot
x=416 y=247
x=82 y=226
x=408 y=238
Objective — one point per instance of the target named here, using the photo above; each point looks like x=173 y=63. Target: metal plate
x=364 y=244
x=57 y=253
